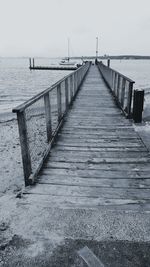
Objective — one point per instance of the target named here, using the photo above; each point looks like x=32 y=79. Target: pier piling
x=33 y=62
x=138 y=102
x=108 y=62
x=30 y=65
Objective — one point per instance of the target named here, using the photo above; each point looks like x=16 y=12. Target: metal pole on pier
x=96 y=50
x=96 y=47
x=68 y=49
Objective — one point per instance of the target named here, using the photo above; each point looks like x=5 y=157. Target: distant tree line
x=114 y=57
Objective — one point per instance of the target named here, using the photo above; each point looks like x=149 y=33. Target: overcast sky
x=41 y=27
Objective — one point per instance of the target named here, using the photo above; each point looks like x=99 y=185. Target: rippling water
x=139 y=71
x=18 y=83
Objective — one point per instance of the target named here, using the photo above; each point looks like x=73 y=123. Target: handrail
x=122 y=75
x=41 y=94
x=121 y=87
x=40 y=118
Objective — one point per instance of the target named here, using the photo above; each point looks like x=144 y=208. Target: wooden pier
x=97 y=158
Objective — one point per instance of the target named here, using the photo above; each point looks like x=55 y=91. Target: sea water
x=18 y=83
x=139 y=71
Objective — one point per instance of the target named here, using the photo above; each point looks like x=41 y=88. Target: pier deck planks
x=98 y=160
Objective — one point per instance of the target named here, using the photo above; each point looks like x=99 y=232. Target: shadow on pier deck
x=94 y=188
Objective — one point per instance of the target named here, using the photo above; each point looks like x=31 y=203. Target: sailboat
x=66 y=61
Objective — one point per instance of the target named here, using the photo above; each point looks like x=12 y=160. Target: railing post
x=75 y=82
x=66 y=94
x=129 y=99
x=113 y=80
x=26 y=159
x=123 y=92
x=79 y=77
x=48 y=116
x=59 y=106
x=138 y=103
x=118 y=86
x=29 y=63
x=71 y=88
x=33 y=62
x=77 y=73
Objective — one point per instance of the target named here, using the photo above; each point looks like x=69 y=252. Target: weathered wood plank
x=99 y=144
x=87 y=148
x=63 y=190
x=102 y=166
x=103 y=174
x=88 y=182
x=100 y=132
x=111 y=127
x=94 y=123
x=56 y=152
x=96 y=139
x=103 y=135
x=48 y=116
x=98 y=160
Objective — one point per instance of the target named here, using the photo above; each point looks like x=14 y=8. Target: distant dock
x=52 y=67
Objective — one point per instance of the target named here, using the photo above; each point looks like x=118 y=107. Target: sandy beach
x=11 y=178
x=17 y=85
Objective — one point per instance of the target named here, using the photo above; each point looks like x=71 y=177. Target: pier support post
x=59 y=106
x=48 y=116
x=33 y=62
x=71 y=88
x=30 y=63
x=26 y=159
x=138 y=103
x=66 y=94
x=129 y=98
x=108 y=62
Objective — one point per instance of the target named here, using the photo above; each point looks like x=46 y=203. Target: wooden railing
x=121 y=87
x=40 y=118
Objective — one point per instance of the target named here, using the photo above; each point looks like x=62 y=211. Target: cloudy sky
x=41 y=27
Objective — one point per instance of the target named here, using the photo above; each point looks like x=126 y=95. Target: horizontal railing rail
x=121 y=87
x=40 y=118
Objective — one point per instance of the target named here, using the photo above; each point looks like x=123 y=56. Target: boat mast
x=96 y=48
x=68 y=50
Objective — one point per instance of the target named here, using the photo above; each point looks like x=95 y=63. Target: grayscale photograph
x=74 y=133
